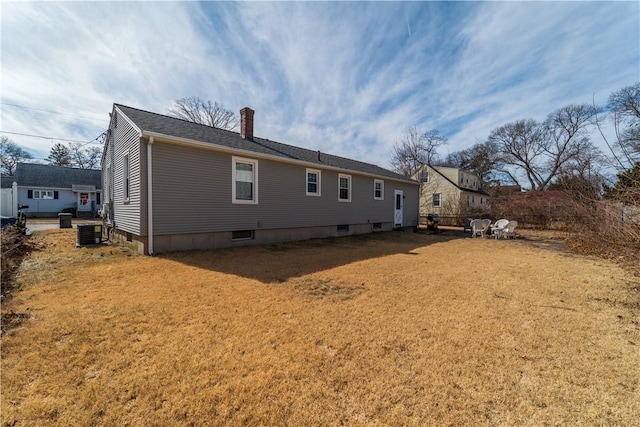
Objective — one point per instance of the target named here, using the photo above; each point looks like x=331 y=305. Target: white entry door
x=397 y=209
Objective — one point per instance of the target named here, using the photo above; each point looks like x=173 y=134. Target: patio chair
x=509 y=231
x=498 y=227
x=480 y=227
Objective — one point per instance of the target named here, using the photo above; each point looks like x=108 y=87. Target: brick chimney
x=246 y=123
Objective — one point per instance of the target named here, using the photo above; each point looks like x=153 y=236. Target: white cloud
x=346 y=78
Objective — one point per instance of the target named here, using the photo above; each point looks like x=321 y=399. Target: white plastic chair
x=479 y=227
x=498 y=227
x=509 y=231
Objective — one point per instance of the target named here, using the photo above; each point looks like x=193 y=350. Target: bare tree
x=541 y=151
x=10 y=155
x=208 y=113
x=520 y=145
x=567 y=143
x=624 y=106
x=483 y=159
x=415 y=149
x=85 y=157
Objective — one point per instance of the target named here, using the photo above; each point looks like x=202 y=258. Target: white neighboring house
x=451 y=192
x=47 y=190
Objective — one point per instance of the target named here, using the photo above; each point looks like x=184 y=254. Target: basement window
x=343 y=227
x=377 y=226
x=242 y=235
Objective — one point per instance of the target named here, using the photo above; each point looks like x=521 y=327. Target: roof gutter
x=253 y=154
x=150 y=196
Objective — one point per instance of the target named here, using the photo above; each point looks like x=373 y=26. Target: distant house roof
x=468 y=190
x=504 y=190
x=37 y=175
x=178 y=128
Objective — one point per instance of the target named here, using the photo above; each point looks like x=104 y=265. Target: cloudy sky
x=346 y=78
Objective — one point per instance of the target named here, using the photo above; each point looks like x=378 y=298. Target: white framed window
x=244 y=181
x=126 y=173
x=378 y=189
x=344 y=188
x=424 y=176
x=43 y=194
x=313 y=182
x=437 y=200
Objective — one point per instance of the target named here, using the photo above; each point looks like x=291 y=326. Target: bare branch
x=208 y=113
x=11 y=154
x=416 y=149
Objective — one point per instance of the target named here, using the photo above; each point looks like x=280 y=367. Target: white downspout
x=150 y=197
x=14 y=199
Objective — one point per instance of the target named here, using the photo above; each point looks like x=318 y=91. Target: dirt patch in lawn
x=387 y=329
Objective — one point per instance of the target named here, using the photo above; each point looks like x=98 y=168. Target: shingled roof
x=174 y=127
x=37 y=175
x=479 y=191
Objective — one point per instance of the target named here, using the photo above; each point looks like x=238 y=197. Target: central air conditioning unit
x=89 y=234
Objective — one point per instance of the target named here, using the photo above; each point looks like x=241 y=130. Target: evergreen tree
x=60 y=155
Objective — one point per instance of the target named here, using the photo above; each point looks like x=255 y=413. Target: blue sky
x=346 y=78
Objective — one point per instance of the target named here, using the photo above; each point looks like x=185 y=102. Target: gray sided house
x=174 y=185
x=47 y=190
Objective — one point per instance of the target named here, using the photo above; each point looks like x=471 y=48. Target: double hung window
x=245 y=181
x=437 y=200
x=313 y=182
x=344 y=188
x=378 y=189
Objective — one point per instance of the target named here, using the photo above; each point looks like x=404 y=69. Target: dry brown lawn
x=392 y=329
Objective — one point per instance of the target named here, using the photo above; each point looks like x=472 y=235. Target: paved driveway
x=47 y=224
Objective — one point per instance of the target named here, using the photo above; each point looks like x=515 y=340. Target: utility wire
x=52 y=112
x=93 y=141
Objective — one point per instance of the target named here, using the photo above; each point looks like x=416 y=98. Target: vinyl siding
x=66 y=199
x=127 y=214
x=192 y=192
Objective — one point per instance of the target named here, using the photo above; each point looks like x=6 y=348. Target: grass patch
x=353 y=331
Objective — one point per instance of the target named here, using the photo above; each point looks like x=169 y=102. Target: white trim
x=318 y=182
x=381 y=182
x=149 y=197
x=439 y=205
x=349 y=187
x=215 y=147
x=33 y=193
x=128 y=121
x=254 y=172
x=398 y=212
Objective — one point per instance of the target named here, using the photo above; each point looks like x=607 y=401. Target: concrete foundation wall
x=217 y=240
